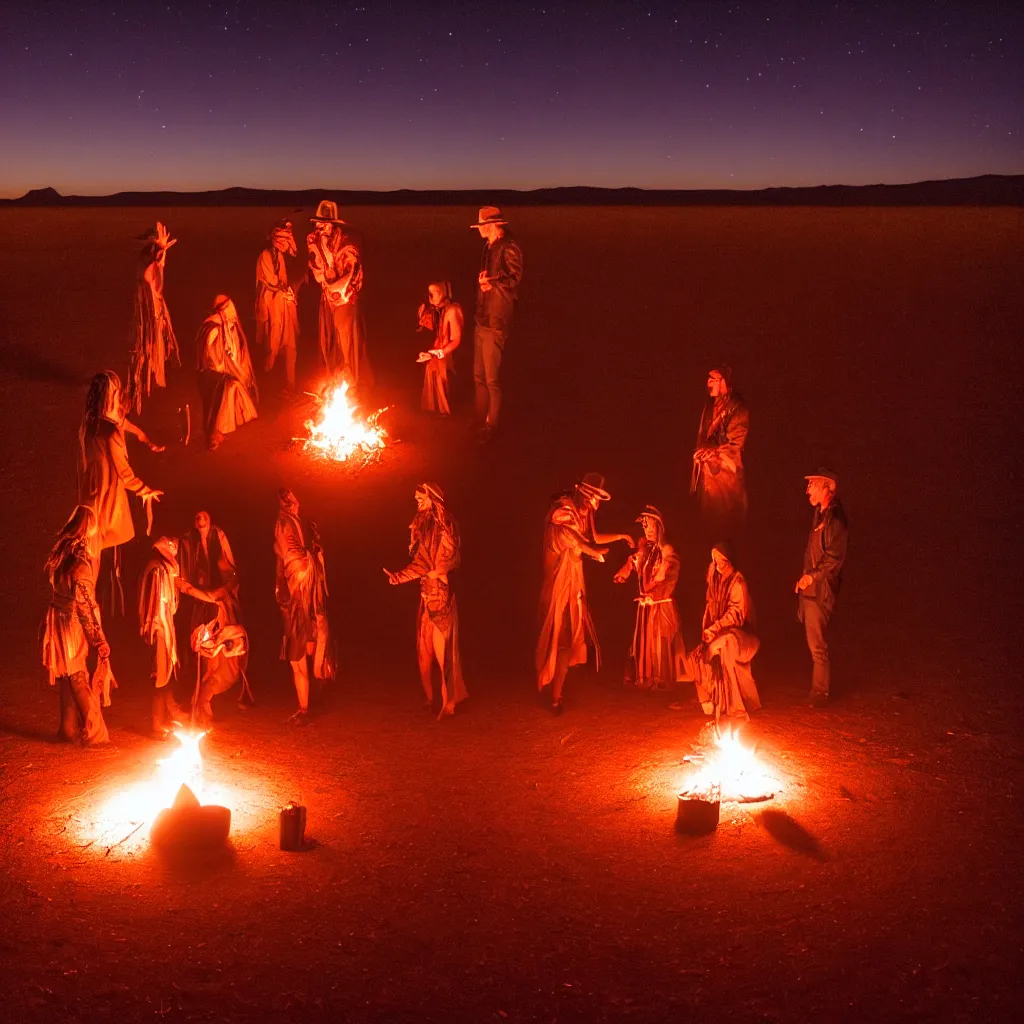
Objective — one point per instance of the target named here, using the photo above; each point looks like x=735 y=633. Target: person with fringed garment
x=435 y=549
x=158 y=604
x=277 y=316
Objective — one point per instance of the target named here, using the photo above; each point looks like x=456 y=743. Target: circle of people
x=200 y=566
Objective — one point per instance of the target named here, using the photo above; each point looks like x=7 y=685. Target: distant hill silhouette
x=986 y=190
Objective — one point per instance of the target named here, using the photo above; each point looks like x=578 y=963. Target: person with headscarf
x=105 y=476
x=301 y=592
x=721 y=662
x=435 y=550
x=158 y=603
x=565 y=624
x=442 y=316
x=73 y=625
x=277 y=317
x=336 y=264
x=227 y=383
x=657 y=656
x=717 y=477
x=154 y=343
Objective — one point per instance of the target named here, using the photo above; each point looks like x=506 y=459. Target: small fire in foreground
x=337 y=434
x=730 y=772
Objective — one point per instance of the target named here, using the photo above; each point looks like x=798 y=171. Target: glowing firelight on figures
x=730 y=772
x=337 y=433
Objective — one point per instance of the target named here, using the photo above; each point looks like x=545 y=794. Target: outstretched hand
x=629 y=540
x=621 y=576
x=392 y=577
x=163 y=237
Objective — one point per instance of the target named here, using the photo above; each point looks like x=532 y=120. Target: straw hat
x=327 y=212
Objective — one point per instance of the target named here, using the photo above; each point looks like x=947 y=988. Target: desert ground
x=504 y=864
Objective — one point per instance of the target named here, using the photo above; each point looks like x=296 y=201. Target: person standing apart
x=501 y=271
x=277 y=316
x=822 y=576
x=72 y=626
x=336 y=264
x=442 y=316
x=301 y=591
x=435 y=549
x=717 y=477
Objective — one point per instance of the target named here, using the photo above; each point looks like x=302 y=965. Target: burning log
x=338 y=434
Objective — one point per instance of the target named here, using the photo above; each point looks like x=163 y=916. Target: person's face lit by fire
x=650 y=527
x=717 y=386
x=721 y=560
x=434 y=295
x=202 y=524
x=423 y=501
x=324 y=228
x=819 y=491
x=281 y=243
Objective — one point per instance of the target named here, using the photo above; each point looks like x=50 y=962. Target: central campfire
x=338 y=432
x=729 y=773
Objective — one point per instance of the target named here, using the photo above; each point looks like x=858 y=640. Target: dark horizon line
x=985 y=190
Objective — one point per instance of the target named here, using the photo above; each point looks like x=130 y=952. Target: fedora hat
x=592 y=486
x=488 y=215
x=823 y=474
x=327 y=211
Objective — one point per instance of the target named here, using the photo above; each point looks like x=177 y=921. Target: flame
x=339 y=435
x=731 y=772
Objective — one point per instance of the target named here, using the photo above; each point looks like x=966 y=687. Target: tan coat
x=104 y=480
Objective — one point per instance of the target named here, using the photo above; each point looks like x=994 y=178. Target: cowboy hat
x=823 y=474
x=488 y=215
x=327 y=211
x=592 y=486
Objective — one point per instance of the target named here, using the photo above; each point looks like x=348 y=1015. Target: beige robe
x=277 y=317
x=104 y=480
x=227 y=382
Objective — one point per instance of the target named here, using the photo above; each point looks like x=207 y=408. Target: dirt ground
x=506 y=865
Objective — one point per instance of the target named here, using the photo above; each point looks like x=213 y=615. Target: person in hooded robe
x=435 y=550
x=336 y=264
x=717 y=476
x=206 y=562
x=301 y=592
x=442 y=316
x=158 y=603
x=73 y=625
x=154 y=343
x=565 y=624
x=721 y=662
x=227 y=383
x=657 y=655
x=105 y=477
x=277 y=317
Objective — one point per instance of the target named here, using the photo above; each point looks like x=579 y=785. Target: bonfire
x=729 y=772
x=339 y=433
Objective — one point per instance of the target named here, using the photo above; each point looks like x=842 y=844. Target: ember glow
x=339 y=433
x=732 y=772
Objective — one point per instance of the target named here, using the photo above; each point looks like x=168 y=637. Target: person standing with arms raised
x=501 y=271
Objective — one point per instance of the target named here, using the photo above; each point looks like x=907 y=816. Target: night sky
x=97 y=98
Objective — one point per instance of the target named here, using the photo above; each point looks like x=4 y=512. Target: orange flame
x=338 y=434
x=731 y=772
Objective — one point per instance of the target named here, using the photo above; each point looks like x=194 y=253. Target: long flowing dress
x=438 y=373
x=72 y=625
x=226 y=379
x=104 y=480
x=301 y=592
x=435 y=548
x=719 y=480
x=154 y=343
x=564 y=616
x=729 y=687
x=657 y=654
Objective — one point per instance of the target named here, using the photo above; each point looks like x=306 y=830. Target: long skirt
x=445 y=619
x=657 y=657
x=228 y=405
x=437 y=376
x=728 y=686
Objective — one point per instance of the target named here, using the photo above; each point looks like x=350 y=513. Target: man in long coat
x=435 y=549
x=822 y=575
x=158 y=603
x=277 y=317
x=301 y=591
x=717 y=477
x=335 y=262
x=657 y=656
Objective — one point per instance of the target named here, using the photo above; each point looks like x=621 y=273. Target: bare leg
x=447 y=704
x=300 y=676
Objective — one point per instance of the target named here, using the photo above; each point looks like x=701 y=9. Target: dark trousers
x=488 y=346
x=815 y=620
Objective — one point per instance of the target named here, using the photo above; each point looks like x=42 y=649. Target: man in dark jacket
x=822 y=574
x=501 y=270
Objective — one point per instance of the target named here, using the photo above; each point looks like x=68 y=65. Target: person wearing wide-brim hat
x=657 y=655
x=335 y=262
x=565 y=624
x=501 y=271
x=822 y=575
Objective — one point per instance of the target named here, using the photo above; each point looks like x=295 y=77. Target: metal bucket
x=696 y=817
x=293 y=827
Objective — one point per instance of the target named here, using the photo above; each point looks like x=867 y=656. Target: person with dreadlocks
x=154 y=342
x=336 y=263
x=73 y=625
x=728 y=637
x=442 y=316
x=277 y=317
x=301 y=592
x=565 y=624
x=717 y=477
x=105 y=476
x=158 y=603
x=227 y=383
x=435 y=549
x=657 y=656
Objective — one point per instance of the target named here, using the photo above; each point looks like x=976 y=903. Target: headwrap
x=287 y=499
x=650 y=512
x=725 y=370
x=725 y=547
x=592 y=486
x=432 y=491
